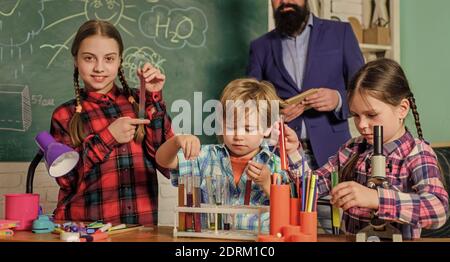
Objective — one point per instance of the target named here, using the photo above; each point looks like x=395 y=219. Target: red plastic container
x=279 y=208
x=22 y=207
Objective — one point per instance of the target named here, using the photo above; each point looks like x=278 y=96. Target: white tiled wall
x=13 y=180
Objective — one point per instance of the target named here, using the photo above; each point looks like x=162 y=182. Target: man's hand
x=324 y=100
x=292 y=112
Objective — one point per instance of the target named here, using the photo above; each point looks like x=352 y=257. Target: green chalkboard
x=199 y=44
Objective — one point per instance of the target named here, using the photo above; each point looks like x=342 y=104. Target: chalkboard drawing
x=15 y=107
x=20 y=22
x=135 y=57
x=112 y=11
x=174 y=28
x=107 y=10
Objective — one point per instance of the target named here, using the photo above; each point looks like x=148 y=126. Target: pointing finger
x=137 y=121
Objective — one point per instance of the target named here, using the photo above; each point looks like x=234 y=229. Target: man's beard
x=290 y=22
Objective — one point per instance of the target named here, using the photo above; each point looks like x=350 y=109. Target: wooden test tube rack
x=216 y=233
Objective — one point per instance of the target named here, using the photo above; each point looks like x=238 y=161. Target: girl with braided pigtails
x=379 y=95
x=115 y=180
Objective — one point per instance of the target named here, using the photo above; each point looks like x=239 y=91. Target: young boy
x=243 y=158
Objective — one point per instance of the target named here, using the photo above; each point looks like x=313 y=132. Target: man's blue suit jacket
x=333 y=58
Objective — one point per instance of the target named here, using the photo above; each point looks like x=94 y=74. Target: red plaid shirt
x=112 y=182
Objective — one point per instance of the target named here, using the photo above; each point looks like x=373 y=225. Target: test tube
x=248 y=192
x=181 y=215
x=226 y=202
x=197 y=197
x=219 y=198
x=189 y=203
x=211 y=201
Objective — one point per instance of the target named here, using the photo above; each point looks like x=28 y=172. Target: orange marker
x=282 y=145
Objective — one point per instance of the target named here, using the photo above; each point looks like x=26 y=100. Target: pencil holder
x=301 y=237
x=288 y=231
x=308 y=224
x=270 y=238
x=22 y=207
x=279 y=207
x=294 y=211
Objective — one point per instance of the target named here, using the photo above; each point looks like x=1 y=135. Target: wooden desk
x=164 y=234
x=146 y=234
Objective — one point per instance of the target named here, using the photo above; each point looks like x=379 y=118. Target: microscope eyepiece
x=378 y=140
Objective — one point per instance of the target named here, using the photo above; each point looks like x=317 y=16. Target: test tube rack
x=216 y=233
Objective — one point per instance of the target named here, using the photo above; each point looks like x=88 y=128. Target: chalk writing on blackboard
x=15 y=98
x=20 y=22
x=41 y=100
x=135 y=57
x=174 y=28
x=113 y=11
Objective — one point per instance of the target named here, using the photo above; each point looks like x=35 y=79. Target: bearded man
x=305 y=52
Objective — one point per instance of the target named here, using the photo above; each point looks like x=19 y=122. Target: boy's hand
x=291 y=140
x=190 y=145
x=259 y=173
x=351 y=194
x=123 y=129
x=154 y=79
x=290 y=137
x=273 y=134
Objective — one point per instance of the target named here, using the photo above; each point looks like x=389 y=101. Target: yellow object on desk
x=123 y=228
x=6 y=232
x=335 y=211
x=6 y=224
x=120 y=226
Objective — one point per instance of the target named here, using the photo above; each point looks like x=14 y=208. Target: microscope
x=378 y=229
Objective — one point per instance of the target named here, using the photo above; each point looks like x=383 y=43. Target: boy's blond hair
x=250 y=89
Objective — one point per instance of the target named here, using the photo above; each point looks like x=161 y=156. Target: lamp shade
x=59 y=158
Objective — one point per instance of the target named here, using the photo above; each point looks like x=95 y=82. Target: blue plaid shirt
x=215 y=160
